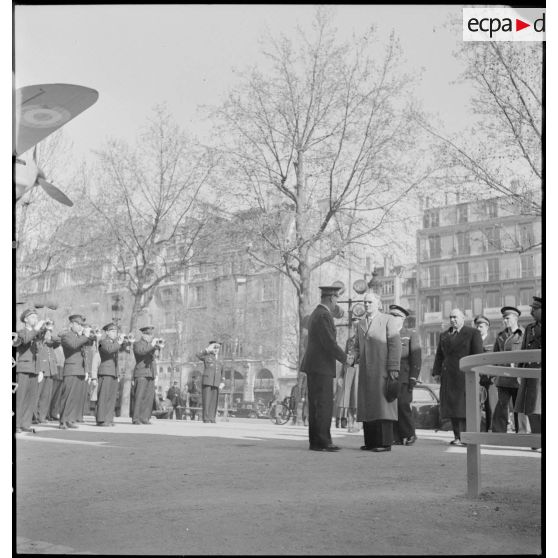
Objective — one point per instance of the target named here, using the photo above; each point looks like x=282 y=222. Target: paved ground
x=249 y=487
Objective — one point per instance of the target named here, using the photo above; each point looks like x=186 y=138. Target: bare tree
x=320 y=146
x=502 y=152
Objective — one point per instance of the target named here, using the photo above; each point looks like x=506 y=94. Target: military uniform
x=107 y=378
x=47 y=364
x=26 y=378
x=211 y=378
x=143 y=390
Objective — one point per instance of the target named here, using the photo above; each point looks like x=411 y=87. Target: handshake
x=350 y=359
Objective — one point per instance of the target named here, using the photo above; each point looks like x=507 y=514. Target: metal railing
x=492 y=364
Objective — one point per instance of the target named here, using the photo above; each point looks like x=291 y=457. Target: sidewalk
x=248 y=486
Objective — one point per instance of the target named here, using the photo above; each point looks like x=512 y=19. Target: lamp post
x=117 y=310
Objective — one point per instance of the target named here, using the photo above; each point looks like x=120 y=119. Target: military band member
x=73 y=342
x=411 y=362
x=47 y=364
x=107 y=375
x=26 y=370
x=212 y=380
x=509 y=339
x=146 y=350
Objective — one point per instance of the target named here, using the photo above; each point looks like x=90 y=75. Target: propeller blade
x=54 y=192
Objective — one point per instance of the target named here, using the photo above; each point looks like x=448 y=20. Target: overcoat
x=145 y=354
x=411 y=355
x=212 y=369
x=508 y=341
x=451 y=348
x=377 y=350
x=322 y=349
x=108 y=353
x=46 y=357
x=529 y=394
x=27 y=351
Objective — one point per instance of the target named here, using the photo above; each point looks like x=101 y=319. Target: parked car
x=250 y=410
x=426 y=408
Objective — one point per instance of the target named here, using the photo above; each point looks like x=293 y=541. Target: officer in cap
x=411 y=362
x=509 y=339
x=319 y=364
x=26 y=369
x=146 y=351
x=73 y=343
x=529 y=394
x=107 y=374
x=482 y=323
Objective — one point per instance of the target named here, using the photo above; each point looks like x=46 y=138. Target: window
x=431 y=219
x=526 y=236
x=463 y=273
x=463 y=247
x=493 y=299
x=527 y=267
x=491 y=208
x=477 y=305
x=387 y=288
x=432 y=338
x=447 y=308
x=494 y=269
x=197 y=295
x=525 y=296
x=462 y=213
x=509 y=300
x=434 y=276
x=435 y=246
x=463 y=301
x=432 y=304
x=492 y=236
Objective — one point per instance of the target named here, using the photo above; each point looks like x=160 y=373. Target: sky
x=186 y=56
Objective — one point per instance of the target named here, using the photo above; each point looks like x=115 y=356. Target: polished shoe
x=400 y=442
x=62 y=426
x=365 y=448
x=381 y=448
x=458 y=443
x=71 y=425
x=332 y=447
x=102 y=424
x=410 y=440
x=314 y=448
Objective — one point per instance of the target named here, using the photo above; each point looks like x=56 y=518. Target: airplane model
x=40 y=110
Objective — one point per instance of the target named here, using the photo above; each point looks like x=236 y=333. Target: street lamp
x=117 y=310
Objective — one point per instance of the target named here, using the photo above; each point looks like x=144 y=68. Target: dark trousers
x=176 y=411
x=535 y=423
x=107 y=389
x=44 y=398
x=320 y=410
x=405 y=425
x=55 y=400
x=144 y=393
x=458 y=425
x=210 y=398
x=26 y=398
x=378 y=433
x=72 y=399
x=502 y=410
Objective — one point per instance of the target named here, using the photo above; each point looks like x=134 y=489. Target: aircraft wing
x=42 y=109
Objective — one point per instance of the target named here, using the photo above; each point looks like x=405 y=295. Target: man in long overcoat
x=107 y=375
x=455 y=343
x=378 y=353
x=318 y=362
x=146 y=352
x=529 y=394
x=26 y=370
x=411 y=362
x=212 y=380
x=48 y=366
x=73 y=342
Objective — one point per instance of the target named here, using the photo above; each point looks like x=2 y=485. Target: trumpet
x=159 y=342
x=127 y=338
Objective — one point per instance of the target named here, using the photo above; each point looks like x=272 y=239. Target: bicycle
x=280 y=412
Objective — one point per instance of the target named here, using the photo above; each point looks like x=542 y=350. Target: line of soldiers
x=90 y=355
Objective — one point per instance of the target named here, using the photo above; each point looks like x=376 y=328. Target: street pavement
x=250 y=487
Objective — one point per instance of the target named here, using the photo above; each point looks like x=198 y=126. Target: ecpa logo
x=503 y=24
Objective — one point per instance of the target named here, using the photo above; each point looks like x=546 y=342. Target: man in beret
x=213 y=380
x=509 y=339
x=73 y=342
x=529 y=394
x=107 y=375
x=318 y=362
x=455 y=343
x=27 y=377
x=146 y=351
x=378 y=353
x=411 y=362
x=482 y=323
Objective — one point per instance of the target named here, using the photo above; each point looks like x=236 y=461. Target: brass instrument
x=159 y=342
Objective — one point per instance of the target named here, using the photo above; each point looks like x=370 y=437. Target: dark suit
x=175 y=397
x=451 y=348
x=74 y=375
x=211 y=378
x=107 y=377
x=26 y=377
x=143 y=391
x=319 y=364
x=411 y=361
